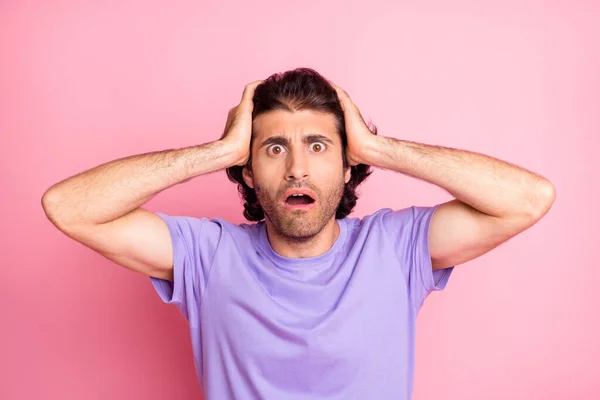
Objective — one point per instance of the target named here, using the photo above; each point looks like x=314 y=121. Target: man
x=305 y=302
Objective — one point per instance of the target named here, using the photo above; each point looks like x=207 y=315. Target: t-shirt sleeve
x=194 y=242
x=409 y=232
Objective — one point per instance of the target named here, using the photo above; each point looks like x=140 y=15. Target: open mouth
x=298 y=199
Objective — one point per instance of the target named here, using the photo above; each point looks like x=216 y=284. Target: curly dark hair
x=295 y=90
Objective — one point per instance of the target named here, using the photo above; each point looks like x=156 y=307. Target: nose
x=297 y=165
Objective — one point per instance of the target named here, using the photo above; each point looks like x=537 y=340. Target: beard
x=301 y=225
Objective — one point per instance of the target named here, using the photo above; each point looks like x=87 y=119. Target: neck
x=306 y=247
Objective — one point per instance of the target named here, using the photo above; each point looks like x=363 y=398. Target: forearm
x=490 y=185
x=113 y=189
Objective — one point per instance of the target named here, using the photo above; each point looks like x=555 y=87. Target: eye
x=317 y=147
x=275 y=149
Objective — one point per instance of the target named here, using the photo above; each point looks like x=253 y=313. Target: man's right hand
x=93 y=209
x=238 y=129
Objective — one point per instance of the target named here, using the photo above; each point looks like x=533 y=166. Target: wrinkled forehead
x=294 y=125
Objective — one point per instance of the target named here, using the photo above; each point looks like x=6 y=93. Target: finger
x=341 y=93
x=344 y=98
x=246 y=104
x=249 y=91
x=338 y=89
x=347 y=103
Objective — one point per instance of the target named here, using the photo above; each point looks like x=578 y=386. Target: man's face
x=292 y=152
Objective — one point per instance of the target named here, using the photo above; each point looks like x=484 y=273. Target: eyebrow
x=282 y=140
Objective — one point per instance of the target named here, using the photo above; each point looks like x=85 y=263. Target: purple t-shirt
x=337 y=326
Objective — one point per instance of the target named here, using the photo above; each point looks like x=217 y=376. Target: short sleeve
x=194 y=244
x=409 y=232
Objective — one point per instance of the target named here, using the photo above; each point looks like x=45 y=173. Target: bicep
x=139 y=241
x=460 y=233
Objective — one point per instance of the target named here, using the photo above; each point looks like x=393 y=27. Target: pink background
x=82 y=84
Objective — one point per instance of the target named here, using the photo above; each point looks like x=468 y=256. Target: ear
x=247 y=175
x=347 y=174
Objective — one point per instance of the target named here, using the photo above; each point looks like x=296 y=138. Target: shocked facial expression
x=297 y=170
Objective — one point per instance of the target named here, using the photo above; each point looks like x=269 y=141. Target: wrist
x=371 y=150
x=231 y=153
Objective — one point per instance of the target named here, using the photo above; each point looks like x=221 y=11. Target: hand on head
x=238 y=128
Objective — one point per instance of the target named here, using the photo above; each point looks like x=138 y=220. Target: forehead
x=281 y=122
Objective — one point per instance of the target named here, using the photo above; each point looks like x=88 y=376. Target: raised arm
x=494 y=200
x=102 y=207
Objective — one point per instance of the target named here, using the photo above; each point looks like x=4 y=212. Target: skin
x=299 y=149
x=102 y=207
x=494 y=200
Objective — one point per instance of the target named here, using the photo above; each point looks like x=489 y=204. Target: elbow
x=49 y=205
x=544 y=196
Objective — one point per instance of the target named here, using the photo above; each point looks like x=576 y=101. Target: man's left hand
x=360 y=138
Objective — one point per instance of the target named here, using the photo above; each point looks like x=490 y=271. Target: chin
x=300 y=226
x=300 y=232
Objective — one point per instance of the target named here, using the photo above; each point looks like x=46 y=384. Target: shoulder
x=238 y=232
x=208 y=230
x=393 y=221
x=381 y=218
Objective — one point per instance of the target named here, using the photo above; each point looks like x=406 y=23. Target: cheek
x=266 y=177
x=265 y=172
x=327 y=168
